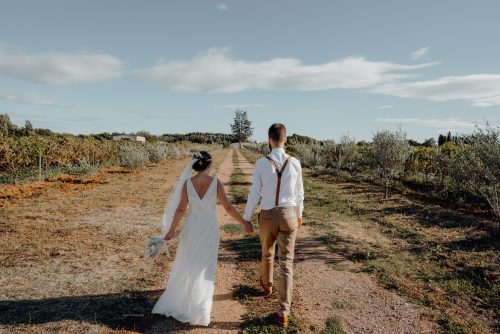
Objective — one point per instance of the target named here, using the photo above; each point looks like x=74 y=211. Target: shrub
x=387 y=156
x=84 y=168
x=157 y=152
x=132 y=156
x=477 y=165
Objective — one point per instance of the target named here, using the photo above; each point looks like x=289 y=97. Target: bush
x=132 y=156
x=477 y=166
x=157 y=152
x=84 y=168
x=309 y=155
x=387 y=156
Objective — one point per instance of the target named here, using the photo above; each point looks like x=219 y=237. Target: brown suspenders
x=280 y=172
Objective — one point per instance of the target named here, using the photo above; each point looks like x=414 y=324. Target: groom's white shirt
x=265 y=180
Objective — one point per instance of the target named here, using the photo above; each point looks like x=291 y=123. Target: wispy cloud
x=222 y=6
x=385 y=107
x=444 y=123
x=214 y=71
x=240 y=106
x=36 y=99
x=58 y=68
x=417 y=54
x=481 y=90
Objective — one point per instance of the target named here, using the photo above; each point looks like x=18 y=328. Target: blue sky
x=324 y=68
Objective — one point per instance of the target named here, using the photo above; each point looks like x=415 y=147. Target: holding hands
x=247 y=227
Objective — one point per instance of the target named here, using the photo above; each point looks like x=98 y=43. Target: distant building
x=130 y=138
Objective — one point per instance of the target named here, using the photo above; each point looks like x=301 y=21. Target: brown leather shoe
x=282 y=320
x=267 y=291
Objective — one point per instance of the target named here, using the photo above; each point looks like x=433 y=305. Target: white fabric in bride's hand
x=157 y=245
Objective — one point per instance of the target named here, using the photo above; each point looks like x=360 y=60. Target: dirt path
x=322 y=292
x=361 y=304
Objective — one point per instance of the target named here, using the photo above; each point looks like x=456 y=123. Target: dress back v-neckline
x=206 y=192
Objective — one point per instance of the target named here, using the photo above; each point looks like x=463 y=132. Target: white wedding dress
x=190 y=288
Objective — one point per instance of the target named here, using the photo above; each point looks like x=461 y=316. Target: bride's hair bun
x=203 y=160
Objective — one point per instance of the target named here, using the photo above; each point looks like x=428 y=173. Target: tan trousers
x=279 y=225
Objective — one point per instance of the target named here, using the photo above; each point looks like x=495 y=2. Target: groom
x=277 y=185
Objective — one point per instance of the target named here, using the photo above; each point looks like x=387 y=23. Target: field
x=71 y=258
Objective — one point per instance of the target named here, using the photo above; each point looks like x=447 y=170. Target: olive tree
x=387 y=156
x=477 y=165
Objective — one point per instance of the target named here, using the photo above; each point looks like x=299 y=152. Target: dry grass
x=72 y=261
x=443 y=259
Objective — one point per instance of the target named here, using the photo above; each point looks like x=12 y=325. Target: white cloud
x=58 y=68
x=437 y=123
x=419 y=53
x=240 y=106
x=222 y=6
x=481 y=90
x=214 y=71
x=385 y=107
x=36 y=99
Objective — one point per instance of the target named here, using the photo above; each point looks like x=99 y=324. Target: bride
x=190 y=288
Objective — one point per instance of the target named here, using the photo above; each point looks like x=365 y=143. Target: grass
x=333 y=326
x=442 y=259
x=233 y=229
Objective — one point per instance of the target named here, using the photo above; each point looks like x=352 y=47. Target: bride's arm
x=181 y=209
x=230 y=209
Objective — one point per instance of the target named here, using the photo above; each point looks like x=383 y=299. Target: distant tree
x=43 y=132
x=28 y=128
x=387 y=156
x=431 y=142
x=103 y=136
x=242 y=127
x=412 y=142
x=299 y=139
x=4 y=125
x=7 y=128
x=441 y=140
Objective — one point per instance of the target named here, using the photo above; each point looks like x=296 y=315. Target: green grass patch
x=333 y=326
x=249 y=155
x=233 y=229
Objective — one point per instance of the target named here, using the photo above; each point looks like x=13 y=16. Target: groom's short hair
x=277 y=132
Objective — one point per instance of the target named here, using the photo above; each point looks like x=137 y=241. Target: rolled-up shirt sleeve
x=255 y=193
x=299 y=192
